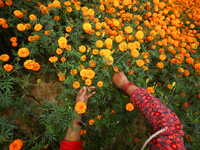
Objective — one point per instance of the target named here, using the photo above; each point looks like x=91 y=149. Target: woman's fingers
x=90 y=88
x=91 y=94
x=80 y=91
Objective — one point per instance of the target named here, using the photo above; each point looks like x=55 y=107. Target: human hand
x=119 y=79
x=83 y=96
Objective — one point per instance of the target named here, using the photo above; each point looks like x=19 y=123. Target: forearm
x=73 y=133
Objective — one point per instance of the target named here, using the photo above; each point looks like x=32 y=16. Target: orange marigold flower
x=2 y=21
x=21 y=27
x=99 y=44
x=56 y=4
x=118 y=39
x=82 y=49
x=80 y=107
x=87 y=26
x=9 y=2
x=63 y=59
x=73 y=72
x=186 y=73
x=59 y=51
x=23 y=52
x=128 y=30
x=56 y=18
x=69 y=9
x=47 y=32
x=18 y=14
x=68 y=29
x=4 y=57
x=53 y=59
x=115 y=69
x=122 y=46
x=169 y=86
x=14 y=44
x=99 y=83
x=32 y=17
x=139 y=35
x=13 y=39
x=99 y=117
x=38 y=27
x=160 y=65
x=8 y=67
x=150 y=90
x=162 y=57
x=62 y=42
x=16 y=145
x=92 y=63
x=108 y=60
x=197 y=66
x=129 y=107
x=76 y=84
x=95 y=51
x=113 y=111
x=140 y=62
x=134 y=53
x=186 y=104
x=83 y=58
x=91 y=122
x=36 y=66
x=29 y=64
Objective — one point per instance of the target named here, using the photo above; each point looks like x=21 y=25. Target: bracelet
x=126 y=86
x=77 y=122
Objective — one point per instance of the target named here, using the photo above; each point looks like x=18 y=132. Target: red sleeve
x=159 y=116
x=71 y=145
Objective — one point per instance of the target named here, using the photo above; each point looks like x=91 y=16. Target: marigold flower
x=169 y=86
x=139 y=35
x=82 y=49
x=16 y=145
x=21 y=27
x=32 y=17
x=113 y=111
x=99 y=83
x=36 y=66
x=160 y=65
x=95 y=51
x=56 y=4
x=76 y=84
x=128 y=30
x=118 y=39
x=23 y=52
x=18 y=14
x=99 y=44
x=2 y=21
x=53 y=59
x=186 y=104
x=122 y=46
x=150 y=90
x=87 y=26
x=4 y=57
x=80 y=107
x=68 y=29
x=140 y=62
x=99 y=117
x=91 y=122
x=92 y=63
x=115 y=69
x=129 y=107
x=29 y=64
x=73 y=72
x=13 y=39
x=9 y=2
x=105 y=53
x=134 y=53
x=162 y=57
x=56 y=18
x=186 y=73
x=62 y=42
x=59 y=51
x=38 y=27
x=8 y=67
x=14 y=44
x=47 y=32
x=108 y=60
x=83 y=58
x=88 y=82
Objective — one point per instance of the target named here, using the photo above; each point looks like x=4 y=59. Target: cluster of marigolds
x=170 y=34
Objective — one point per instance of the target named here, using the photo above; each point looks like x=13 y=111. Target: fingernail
x=84 y=87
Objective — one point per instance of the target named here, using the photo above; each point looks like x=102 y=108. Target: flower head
x=80 y=107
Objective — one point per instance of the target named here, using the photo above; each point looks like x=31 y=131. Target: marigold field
x=60 y=46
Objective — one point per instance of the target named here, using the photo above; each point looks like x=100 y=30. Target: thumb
x=84 y=91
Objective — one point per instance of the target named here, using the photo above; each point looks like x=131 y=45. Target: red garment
x=158 y=116
x=71 y=145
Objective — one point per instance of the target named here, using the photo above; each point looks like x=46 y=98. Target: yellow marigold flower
x=105 y=52
x=139 y=35
x=32 y=17
x=82 y=49
x=99 y=83
x=83 y=58
x=87 y=26
x=88 y=82
x=129 y=107
x=134 y=53
x=80 y=107
x=53 y=59
x=128 y=29
x=108 y=60
x=140 y=62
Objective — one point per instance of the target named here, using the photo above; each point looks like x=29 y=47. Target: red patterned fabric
x=159 y=116
x=71 y=145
